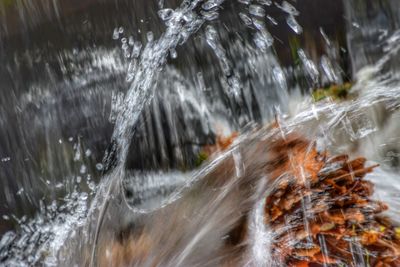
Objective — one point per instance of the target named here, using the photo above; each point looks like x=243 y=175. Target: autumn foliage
x=322 y=213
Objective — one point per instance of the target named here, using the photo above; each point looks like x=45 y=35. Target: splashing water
x=190 y=217
x=182 y=23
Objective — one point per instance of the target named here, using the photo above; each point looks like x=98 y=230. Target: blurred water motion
x=67 y=68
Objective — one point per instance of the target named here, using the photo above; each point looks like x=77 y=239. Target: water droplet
x=200 y=79
x=246 y=19
x=165 y=14
x=265 y=2
x=259 y=24
x=211 y=4
x=88 y=153
x=293 y=24
x=210 y=15
x=5 y=159
x=288 y=8
x=137 y=47
x=272 y=20
x=189 y=16
x=211 y=36
x=83 y=169
x=150 y=37
x=257 y=10
x=263 y=39
x=125 y=46
x=246 y=2
x=20 y=191
x=131 y=41
x=99 y=166
x=173 y=53
x=84 y=196
x=92 y=186
x=309 y=66
x=329 y=70
x=326 y=38
x=115 y=34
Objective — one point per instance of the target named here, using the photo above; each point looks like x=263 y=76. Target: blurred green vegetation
x=336 y=92
x=6 y=3
x=201 y=157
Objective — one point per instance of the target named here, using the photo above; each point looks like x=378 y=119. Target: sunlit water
x=186 y=214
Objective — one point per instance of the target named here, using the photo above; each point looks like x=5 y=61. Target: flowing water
x=209 y=68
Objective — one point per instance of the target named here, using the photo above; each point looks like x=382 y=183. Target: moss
x=335 y=92
x=201 y=157
x=6 y=3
